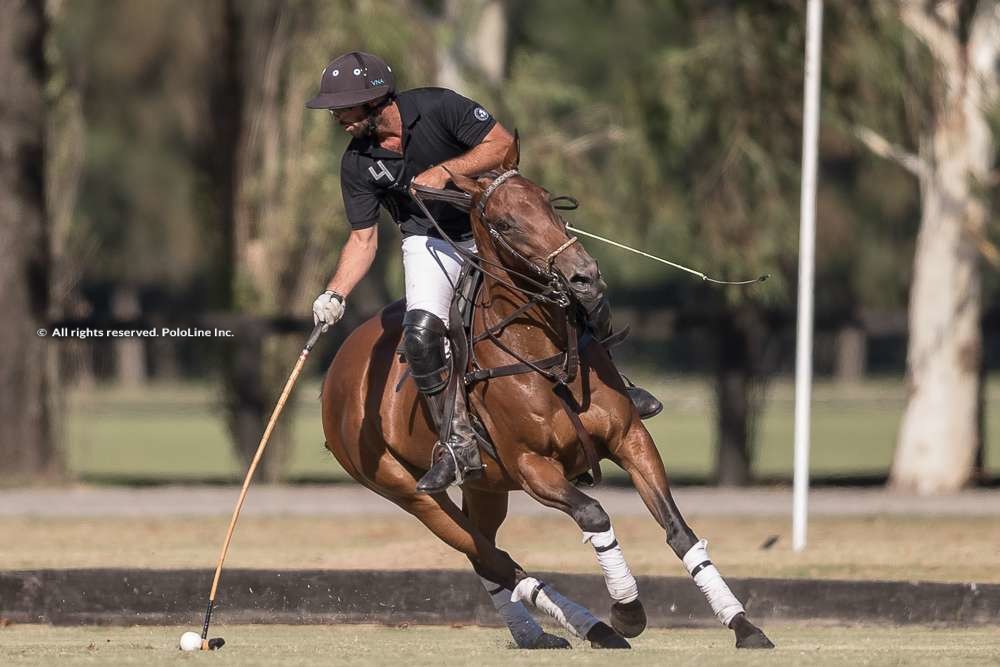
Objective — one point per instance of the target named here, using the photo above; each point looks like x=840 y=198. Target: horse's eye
x=501 y=225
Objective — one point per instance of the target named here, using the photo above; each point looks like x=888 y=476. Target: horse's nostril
x=581 y=281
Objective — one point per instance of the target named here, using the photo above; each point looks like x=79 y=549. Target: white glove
x=328 y=308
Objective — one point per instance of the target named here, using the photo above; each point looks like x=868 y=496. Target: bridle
x=553 y=287
x=549 y=268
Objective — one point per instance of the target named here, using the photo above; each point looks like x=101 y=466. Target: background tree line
x=159 y=164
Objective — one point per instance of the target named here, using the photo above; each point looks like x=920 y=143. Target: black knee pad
x=423 y=344
x=592 y=518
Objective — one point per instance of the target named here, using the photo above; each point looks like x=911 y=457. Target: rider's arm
x=488 y=154
x=361 y=207
x=472 y=126
x=484 y=156
x=355 y=260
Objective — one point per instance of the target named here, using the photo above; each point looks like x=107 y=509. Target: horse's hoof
x=748 y=635
x=547 y=641
x=602 y=636
x=629 y=618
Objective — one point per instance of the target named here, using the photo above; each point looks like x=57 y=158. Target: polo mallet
x=217 y=642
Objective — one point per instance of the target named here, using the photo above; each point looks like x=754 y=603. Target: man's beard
x=363 y=128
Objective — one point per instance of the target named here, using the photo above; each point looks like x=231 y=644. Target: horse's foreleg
x=638 y=456
x=488 y=511
x=545 y=481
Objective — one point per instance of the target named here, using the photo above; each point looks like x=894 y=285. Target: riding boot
x=645 y=403
x=456 y=455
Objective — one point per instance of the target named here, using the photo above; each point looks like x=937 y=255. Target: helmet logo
x=481 y=113
x=357 y=72
x=335 y=72
x=378 y=82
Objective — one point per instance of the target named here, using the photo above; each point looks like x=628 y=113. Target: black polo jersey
x=438 y=124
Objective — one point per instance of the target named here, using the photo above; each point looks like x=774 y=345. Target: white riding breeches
x=430 y=269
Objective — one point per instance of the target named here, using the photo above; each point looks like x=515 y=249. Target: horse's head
x=513 y=217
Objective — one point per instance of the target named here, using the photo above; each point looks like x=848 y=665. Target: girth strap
x=589 y=447
x=512 y=369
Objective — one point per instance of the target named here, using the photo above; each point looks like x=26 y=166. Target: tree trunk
x=27 y=446
x=732 y=466
x=130 y=353
x=738 y=396
x=851 y=353
x=270 y=243
x=245 y=398
x=939 y=435
x=940 y=432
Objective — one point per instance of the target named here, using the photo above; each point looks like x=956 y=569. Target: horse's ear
x=465 y=184
x=513 y=155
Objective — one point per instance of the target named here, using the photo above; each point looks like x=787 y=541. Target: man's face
x=353 y=119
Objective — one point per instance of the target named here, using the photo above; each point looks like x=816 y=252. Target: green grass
x=175 y=432
x=797 y=644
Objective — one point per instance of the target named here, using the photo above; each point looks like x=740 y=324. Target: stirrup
x=462 y=469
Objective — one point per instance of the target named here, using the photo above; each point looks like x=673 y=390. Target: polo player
x=418 y=137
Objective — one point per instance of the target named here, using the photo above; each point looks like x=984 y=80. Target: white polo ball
x=190 y=641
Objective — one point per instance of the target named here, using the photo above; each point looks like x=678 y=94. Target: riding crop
x=701 y=275
x=217 y=642
x=463 y=201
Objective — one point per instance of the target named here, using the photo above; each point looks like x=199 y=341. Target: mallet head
x=213 y=644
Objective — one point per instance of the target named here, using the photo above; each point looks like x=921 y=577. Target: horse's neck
x=540 y=328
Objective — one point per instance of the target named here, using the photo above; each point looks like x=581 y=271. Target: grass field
x=165 y=432
x=839 y=548
x=434 y=646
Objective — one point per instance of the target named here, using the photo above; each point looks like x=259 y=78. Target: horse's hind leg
x=545 y=481
x=443 y=518
x=572 y=616
x=638 y=456
x=398 y=483
x=488 y=511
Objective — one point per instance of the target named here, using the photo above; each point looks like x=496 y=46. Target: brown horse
x=380 y=432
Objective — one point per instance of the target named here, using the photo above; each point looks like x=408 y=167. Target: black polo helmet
x=352 y=80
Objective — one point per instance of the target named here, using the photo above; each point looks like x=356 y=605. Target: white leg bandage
x=620 y=582
x=523 y=628
x=570 y=615
x=707 y=577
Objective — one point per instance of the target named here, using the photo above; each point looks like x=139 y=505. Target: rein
x=553 y=290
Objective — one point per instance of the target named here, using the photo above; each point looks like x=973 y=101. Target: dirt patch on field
x=901 y=548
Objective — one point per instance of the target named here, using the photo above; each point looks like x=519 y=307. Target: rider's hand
x=436 y=177
x=328 y=308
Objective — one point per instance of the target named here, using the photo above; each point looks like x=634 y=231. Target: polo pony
x=550 y=403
